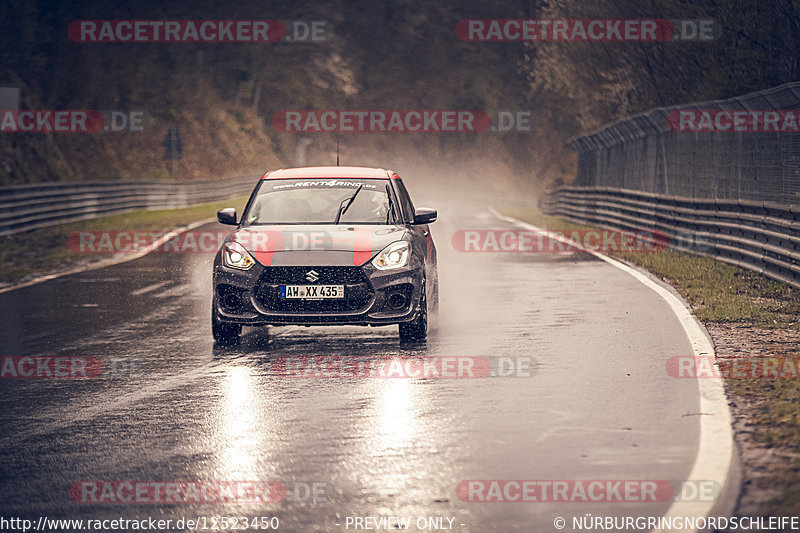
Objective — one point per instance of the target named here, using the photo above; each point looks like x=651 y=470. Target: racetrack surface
x=598 y=403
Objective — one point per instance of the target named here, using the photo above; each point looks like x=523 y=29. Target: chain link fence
x=645 y=152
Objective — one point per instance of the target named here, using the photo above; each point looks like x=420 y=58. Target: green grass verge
x=720 y=292
x=729 y=296
x=43 y=251
x=534 y=216
x=717 y=291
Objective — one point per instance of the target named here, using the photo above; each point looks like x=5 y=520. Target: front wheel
x=224 y=334
x=418 y=329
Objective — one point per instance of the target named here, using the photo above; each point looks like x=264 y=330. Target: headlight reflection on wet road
x=241 y=426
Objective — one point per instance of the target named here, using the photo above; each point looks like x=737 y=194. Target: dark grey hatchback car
x=326 y=246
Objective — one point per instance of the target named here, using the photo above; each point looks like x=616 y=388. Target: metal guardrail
x=759 y=236
x=27 y=207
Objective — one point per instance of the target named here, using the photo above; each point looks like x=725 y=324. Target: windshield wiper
x=343 y=208
x=389 y=211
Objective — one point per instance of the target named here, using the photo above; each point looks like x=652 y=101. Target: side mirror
x=227 y=216
x=423 y=215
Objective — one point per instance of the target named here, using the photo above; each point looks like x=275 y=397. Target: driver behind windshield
x=285 y=202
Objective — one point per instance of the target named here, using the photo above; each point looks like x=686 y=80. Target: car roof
x=329 y=172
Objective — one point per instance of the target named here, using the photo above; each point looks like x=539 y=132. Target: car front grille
x=358 y=293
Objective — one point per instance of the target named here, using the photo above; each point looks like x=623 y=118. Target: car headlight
x=234 y=255
x=395 y=255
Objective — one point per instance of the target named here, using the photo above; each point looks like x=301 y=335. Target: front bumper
x=372 y=297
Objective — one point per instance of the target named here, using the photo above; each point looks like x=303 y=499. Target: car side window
x=405 y=200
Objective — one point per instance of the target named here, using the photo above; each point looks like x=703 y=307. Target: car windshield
x=318 y=200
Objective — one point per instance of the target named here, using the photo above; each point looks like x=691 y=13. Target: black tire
x=418 y=329
x=224 y=334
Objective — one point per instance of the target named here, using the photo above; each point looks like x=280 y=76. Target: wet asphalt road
x=597 y=405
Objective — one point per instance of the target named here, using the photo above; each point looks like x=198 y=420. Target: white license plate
x=312 y=291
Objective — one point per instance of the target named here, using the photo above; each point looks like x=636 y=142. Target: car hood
x=318 y=244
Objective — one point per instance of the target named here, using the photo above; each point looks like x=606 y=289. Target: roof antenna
x=337 y=150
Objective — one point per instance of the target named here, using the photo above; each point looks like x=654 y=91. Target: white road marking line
x=149 y=288
x=124 y=258
x=715 y=449
x=138 y=396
